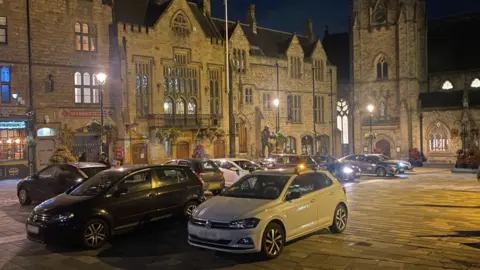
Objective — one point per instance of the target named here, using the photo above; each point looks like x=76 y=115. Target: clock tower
x=388 y=71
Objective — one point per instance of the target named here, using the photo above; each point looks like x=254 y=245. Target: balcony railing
x=182 y=121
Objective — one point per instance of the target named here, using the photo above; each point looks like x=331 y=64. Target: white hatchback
x=234 y=168
x=264 y=210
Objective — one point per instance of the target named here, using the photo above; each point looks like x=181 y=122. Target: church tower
x=388 y=39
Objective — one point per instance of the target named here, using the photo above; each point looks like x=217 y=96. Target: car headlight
x=347 y=170
x=401 y=165
x=63 y=217
x=248 y=223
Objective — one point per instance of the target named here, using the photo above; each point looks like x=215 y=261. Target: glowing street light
x=276 y=102
x=370 y=108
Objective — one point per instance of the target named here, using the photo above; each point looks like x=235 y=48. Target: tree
x=62 y=155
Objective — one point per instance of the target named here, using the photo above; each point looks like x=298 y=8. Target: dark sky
x=290 y=15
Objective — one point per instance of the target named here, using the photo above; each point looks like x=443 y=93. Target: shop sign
x=85 y=113
x=119 y=153
x=14 y=171
x=12 y=125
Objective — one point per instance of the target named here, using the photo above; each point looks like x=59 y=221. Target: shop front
x=13 y=150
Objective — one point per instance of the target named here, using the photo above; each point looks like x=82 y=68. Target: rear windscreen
x=209 y=166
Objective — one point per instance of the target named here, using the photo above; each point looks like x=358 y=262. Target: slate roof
x=451 y=43
x=267 y=42
x=337 y=48
x=449 y=100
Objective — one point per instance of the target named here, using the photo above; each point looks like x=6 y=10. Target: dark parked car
x=341 y=170
x=374 y=164
x=115 y=201
x=55 y=179
x=207 y=171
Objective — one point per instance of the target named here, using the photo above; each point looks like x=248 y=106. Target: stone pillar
x=404 y=128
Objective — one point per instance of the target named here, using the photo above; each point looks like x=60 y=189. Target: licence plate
x=210 y=235
x=357 y=174
x=213 y=186
x=33 y=229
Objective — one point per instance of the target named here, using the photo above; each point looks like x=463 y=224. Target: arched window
x=180 y=106
x=192 y=106
x=438 y=138
x=382 y=68
x=168 y=106
x=475 y=83
x=5 y=85
x=180 y=25
x=45 y=132
x=342 y=119
x=447 y=85
x=307 y=145
x=290 y=145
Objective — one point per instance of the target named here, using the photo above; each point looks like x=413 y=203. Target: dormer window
x=295 y=67
x=447 y=85
x=181 y=25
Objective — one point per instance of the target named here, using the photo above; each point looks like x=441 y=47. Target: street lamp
x=370 y=109
x=276 y=103
x=101 y=79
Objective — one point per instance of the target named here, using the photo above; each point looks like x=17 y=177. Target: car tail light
x=221 y=173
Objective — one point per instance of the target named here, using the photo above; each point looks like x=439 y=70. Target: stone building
x=422 y=86
x=69 y=43
x=168 y=61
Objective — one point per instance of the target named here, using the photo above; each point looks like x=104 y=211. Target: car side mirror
x=294 y=195
x=34 y=176
x=119 y=192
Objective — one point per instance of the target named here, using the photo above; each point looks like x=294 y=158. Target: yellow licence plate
x=213 y=186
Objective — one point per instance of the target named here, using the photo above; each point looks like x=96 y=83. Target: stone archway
x=384 y=146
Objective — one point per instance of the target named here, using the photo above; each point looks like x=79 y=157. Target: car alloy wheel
x=340 y=219
x=273 y=241
x=381 y=172
x=23 y=197
x=95 y=234
x=189 y=208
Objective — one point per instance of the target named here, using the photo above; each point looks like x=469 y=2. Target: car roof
x=287 y=172
x=131 y=168
x=84 y=165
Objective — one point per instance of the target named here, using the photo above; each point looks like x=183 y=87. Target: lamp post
x=276 y=103
x=370 y=109
x=101 y=79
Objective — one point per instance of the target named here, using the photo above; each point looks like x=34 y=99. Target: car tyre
x=381 y=172
x=340 y=219
x=190 y=206
x=216 y=192
x=95 y=234
x=23 y=197
x=273 y=241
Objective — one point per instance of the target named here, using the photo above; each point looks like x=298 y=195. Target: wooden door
x=45 y=150
x=140 y=153
x=242 y=138
x=219 y=149
x=384 y=146
x=183 y=150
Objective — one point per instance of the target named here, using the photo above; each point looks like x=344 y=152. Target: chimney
x=251 y=19
x=205 y=6
x=309 y=30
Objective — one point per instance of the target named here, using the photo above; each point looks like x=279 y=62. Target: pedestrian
x=82 y=157
x=104 y=160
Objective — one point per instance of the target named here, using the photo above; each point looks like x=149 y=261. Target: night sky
x=290 y=15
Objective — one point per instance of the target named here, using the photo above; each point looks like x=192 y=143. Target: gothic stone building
x=423 y=87
x=69 y=44
x=169 y=68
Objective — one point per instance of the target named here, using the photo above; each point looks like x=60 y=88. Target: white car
x=234 y=168
x=266 y=209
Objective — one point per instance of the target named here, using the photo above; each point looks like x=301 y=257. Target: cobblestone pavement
x=428 y=220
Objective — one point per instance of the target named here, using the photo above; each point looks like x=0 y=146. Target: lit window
x=294 y=108
x=342 y=119
x=3 y=29
x=290 y=145
x=447 y=85
x=192 y=106
x=85 y=37
x=180 y=106
x=180 y=25
x=438 y=138
x=168 y=106
x=475 y=83
x=86 y=88
x=45 y=132
x=5 y=84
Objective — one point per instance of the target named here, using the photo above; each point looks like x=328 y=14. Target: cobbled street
x=429 y=219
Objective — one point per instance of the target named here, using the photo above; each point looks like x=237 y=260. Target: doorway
x=384 y=146
x=45 y=150
x=183 y=149
x=219 y=149
x=140 y=153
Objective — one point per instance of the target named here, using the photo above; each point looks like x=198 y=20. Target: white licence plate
x=210 y=235
x=33 y=229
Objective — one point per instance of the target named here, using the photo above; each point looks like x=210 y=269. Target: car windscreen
x=208 y=166
x=96 y=185
x=91 y=171
x=265 y=187
x=291 y=160
x=245 y=164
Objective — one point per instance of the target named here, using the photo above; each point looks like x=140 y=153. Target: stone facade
x=389 y=72
x=162 y=48
x=55 y=59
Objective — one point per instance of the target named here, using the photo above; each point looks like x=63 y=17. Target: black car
x=341 y=170
x=374 y=164
x=207 y=170
x=55 y=179
x=115 y=201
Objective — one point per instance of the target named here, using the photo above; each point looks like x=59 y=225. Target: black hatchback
x=55 y=179
x=115 y=201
